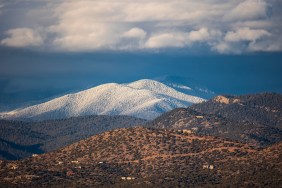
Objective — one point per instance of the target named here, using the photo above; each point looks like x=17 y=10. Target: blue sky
x=52 y=47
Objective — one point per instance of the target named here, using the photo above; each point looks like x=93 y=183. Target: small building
x=187 y=131
x=208 y=166
x=128 y=178
x=75 y=162
x=60 y=162
x=34 y=155
x=205 y=166
x=101 y=162
x=199 y=117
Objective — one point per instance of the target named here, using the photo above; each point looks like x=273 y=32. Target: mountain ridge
x=22 y=139
x=186 y=85
x=254 y=119
x=144 y=99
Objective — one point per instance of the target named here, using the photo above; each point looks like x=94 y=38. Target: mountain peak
x=221 y=99
x=145 y=99
x=146 y=84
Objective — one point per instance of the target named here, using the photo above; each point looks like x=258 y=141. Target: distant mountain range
x=146 y=99
x=22 y=139
x=254 y=119
x=186 y=85
x=227 y=141
x=142 y=157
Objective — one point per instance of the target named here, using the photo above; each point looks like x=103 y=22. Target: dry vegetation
x=153 y=157
x=253 y=119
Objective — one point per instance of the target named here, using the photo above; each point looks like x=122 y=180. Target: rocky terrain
x=264 y=108
x=142 y=157
x=253 y=119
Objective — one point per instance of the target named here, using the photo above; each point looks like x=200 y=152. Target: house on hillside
x=78 y=167
x=208 y=166
x=128 y=178
x=187 y=131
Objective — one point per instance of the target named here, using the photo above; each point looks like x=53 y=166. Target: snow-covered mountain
x=144 y=99
x=187 y=86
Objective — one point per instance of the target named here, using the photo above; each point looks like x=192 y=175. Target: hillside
x=264 y=108
x=253 y=119
x=22 y=139
x=146 y=99
x=142 y=157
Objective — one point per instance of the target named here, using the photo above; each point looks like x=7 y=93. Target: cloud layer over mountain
x=238 y=26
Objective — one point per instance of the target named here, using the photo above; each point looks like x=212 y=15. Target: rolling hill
x=142 y=157
x=22 y=139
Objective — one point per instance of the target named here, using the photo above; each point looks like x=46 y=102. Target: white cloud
x=273 y=45
x=88 y=25
x=183 y=39
x=255 y=24
x=200 y=35
x=173 y=10
x=132 y=39
x=246 y=34
x=133 y=25
x=22 y=37
x=246 y=40
x=222 y=48
x=135 y=33
x=82 y=36
x=165 y=40
x=249 y=10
